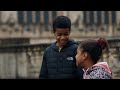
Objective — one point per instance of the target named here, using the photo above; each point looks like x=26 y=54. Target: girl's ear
x=85 y=55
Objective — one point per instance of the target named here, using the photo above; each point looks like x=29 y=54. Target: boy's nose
x=62 y=37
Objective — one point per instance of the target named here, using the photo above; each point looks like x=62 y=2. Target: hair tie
x=99 y=41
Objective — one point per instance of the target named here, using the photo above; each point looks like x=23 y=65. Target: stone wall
x=15 y=65
x=22 y=65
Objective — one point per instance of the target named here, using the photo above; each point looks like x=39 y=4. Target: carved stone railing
x=38 y=30
x=21 y=61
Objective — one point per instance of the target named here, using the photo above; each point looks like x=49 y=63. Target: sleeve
x=79 y=73
x=100 y=74
x=43 y=71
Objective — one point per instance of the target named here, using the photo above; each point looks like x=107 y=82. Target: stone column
x=110 y=17
x=7 y=66
x=59 y=13
x=24 y=21
x=95 y=21
x=1 y=65
x=33 y=17
x=88 y=17
x=110 y=23
x=41 y=21
x=25 y=17
x=65 y=13
x=118 y=17
x=21 y=64
x=41 y=16
x=95 y=17
x=102 y=17
x=34 y=21
x=50 y=20
x=50 y=17
x=0 y=16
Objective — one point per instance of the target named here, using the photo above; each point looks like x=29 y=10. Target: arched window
x=106 y=17
x=113 y=17
x=20 y=15
x=91 y=17
x=99 y=17
x=29 y=17
x=84 y=17
x=37 y=13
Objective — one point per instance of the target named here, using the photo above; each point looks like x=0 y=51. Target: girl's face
x=80 y=57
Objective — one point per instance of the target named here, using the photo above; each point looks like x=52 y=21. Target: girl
x=89 y=53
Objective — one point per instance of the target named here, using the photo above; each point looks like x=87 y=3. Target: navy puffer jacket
x=60 y=65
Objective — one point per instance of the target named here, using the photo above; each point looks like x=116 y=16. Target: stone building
x=85 y=17
x=19 y=61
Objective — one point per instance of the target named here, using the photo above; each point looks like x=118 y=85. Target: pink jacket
x=98 y=71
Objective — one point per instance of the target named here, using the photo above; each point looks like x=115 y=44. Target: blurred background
x=24 y=35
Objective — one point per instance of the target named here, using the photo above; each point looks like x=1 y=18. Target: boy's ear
x=53 y=31
x=70 y=31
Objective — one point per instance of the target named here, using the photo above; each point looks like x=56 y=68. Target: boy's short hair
x=61 y=22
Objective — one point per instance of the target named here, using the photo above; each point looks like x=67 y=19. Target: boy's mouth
x=63 y=41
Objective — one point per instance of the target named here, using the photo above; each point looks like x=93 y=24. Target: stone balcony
x=35 y=31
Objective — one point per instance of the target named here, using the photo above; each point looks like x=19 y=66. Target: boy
x=59 y=58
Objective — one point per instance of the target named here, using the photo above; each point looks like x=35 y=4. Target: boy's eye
x=66 y=34
x=59 y=34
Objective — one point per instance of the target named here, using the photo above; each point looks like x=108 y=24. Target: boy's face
x=62 y=36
